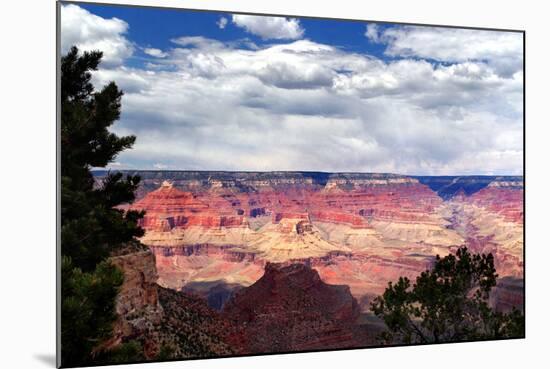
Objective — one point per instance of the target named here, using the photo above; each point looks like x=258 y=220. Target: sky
x=222 y=91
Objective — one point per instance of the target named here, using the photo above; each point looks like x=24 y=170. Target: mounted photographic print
x=235 y=184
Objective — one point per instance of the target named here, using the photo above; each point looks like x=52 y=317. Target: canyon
x=299 y=256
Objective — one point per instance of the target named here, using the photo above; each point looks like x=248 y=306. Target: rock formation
x=291 y=309
x=162 y=318
x=137 y=305
x=288 y=309
x=211 y=229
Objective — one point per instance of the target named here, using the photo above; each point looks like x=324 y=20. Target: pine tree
x=92 y=228
x=448 y=303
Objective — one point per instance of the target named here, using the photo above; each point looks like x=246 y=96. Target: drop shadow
x=48 y=359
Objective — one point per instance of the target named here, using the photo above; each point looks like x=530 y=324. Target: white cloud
x=303 y=105
x=157 y=53
x=90 y=32
x=501 y=50
x=270 y=27
x=308 y=106
x=222 y=22
x=372 y=32
x=198 y=42
x=129 y=80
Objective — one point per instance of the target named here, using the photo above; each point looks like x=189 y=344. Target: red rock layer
x=167 y=208
x=410 y=202
x=278 y=216
x=507 y=202
x=289 y=308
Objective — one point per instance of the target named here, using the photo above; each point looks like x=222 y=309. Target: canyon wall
x=213 y=233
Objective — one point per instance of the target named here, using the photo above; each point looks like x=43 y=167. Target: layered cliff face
x=160 y=318
x=491 y=220
x=504 y=198
x=291 y=309
x=214 y=232
x=291 y=237
x=169 y=208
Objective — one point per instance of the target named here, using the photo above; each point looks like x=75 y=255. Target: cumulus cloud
x=128 y=79
x=222 y=22
x=270 y=27
x=309 y=106
x=501 y=50
x=90 y=32
x=157 y=53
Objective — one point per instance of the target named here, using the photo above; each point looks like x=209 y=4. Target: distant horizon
x=299 y=171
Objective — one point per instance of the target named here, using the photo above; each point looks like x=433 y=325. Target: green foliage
x=87 y=308
x=92 y=228
x=446 y=304
x=128 y=352
x=166 y=353
x=86 y=116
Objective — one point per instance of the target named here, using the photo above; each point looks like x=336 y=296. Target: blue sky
x=156 y=26
x=221 y=91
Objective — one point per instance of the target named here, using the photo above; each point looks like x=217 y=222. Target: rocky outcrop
x=290 y=309
x=162 y=318
x=137 y=304
x=191 y=329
